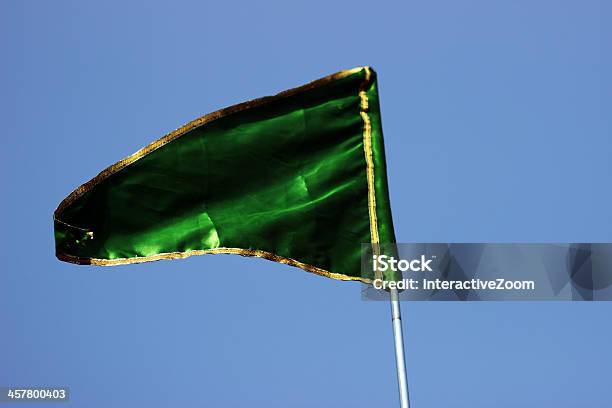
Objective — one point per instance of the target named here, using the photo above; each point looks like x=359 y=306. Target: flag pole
x=396 y=319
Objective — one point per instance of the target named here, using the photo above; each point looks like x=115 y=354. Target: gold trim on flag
x=235 y=251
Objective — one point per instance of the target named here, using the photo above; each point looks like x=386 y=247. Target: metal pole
x=396 y=319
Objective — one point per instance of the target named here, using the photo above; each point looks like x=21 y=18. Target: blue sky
x=497 y=127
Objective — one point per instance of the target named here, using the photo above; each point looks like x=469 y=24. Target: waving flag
x=297 y=178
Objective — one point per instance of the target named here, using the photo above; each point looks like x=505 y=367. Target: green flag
x=297 y=178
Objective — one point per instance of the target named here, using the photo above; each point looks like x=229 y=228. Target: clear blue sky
x=497 y=117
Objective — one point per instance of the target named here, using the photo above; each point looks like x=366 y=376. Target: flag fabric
x=297 y=178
